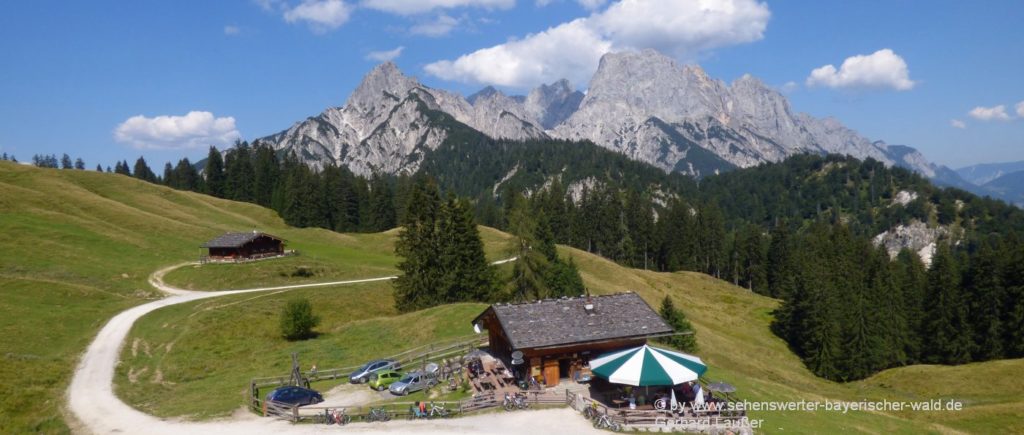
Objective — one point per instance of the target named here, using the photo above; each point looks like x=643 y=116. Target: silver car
x=362 y=374
x=411 y=383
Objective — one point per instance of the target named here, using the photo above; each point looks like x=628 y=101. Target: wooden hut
x=241 y=246
x=556 y=336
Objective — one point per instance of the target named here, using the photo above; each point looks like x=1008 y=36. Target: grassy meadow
x=78 y=247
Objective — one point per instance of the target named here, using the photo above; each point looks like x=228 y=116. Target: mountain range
x=999 y=180
x=639 y=103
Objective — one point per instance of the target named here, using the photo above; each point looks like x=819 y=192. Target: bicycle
x=517 y=401
x=336 y=416
x=437 y=411
x=591 y=411
x=605 y=422
x=378 y=414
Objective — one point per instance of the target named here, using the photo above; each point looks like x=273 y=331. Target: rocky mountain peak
x=640 y=103
x=552 y=104
x=383 y=81
x=489 y=91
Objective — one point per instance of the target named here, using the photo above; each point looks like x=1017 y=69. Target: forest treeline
x=799 y=231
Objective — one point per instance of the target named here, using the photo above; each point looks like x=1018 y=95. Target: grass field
x=78 y=246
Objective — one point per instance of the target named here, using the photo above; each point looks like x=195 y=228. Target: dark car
x=362 y=374
x=292 y=395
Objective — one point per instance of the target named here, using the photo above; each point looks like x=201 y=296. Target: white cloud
x=572 y=50
x=440 y=26
x=412 y=7
x=270 y=5
x=385 y=56
x=956 y=123
x=589 y=5
x=1020 y=109
x=196 y=129
x=996 y=113
x=881 y=69
x=321 y=15
x=231 y=30
x=790 y=87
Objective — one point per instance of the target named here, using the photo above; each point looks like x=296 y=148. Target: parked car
x=362 y=374
x=381 y=380
x=292 y=395
x=411 y=383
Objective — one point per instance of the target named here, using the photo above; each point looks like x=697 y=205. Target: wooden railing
x=424 y=354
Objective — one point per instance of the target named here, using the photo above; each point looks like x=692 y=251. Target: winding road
x=96 y=409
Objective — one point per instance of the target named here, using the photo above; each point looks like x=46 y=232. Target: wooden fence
x=420 y=355
x=404 y=410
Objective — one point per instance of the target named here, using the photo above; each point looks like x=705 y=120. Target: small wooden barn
x=241 y=246
x=558 y=336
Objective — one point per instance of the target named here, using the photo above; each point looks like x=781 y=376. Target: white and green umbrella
x=648 y=366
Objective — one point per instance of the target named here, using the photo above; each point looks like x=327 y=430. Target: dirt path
x=98 y=410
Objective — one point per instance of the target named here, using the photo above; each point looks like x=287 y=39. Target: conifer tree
x=911 y=278
x=214 y=173
x=468 y=277
x=65 y=162
x=239 y=173
x=142 y=171
x=421 y=274
x=528 y=271
x=676 y=319
x=1012 y=318
x=947 y=332
x=781 y=267
x=983 y=282
x=186 y=176
x=382 y=205
x=168 y=178
x=80 y=164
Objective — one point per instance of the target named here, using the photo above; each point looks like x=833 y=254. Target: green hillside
x=78 y=247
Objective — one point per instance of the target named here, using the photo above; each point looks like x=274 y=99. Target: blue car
x=292 y=395
x=362 y=374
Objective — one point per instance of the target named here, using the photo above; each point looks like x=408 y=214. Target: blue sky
x=73 y=73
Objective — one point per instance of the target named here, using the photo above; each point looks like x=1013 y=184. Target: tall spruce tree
x=382 y=205
x=911 y=277
x=528 y=271
x=214 y=173
x=947 y=331
x=1013 y=300
x=142 y=171
x=467 y=276
x=983 y=282
x=421 y=273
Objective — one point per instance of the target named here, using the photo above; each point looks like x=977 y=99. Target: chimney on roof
x=589 y=305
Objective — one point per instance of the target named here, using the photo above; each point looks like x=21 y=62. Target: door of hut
x=551 y=374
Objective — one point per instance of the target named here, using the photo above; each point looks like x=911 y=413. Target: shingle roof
x=235 y=240
x=555 y=322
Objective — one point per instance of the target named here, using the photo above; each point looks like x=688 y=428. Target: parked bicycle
x=437 y=411
x=603 y=421
x=336 y=416
x=515 y=401
x=378 y=414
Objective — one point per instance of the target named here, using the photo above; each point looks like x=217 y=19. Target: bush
x=298 y=320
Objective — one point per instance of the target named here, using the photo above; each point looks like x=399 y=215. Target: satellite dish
x=476 y=328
